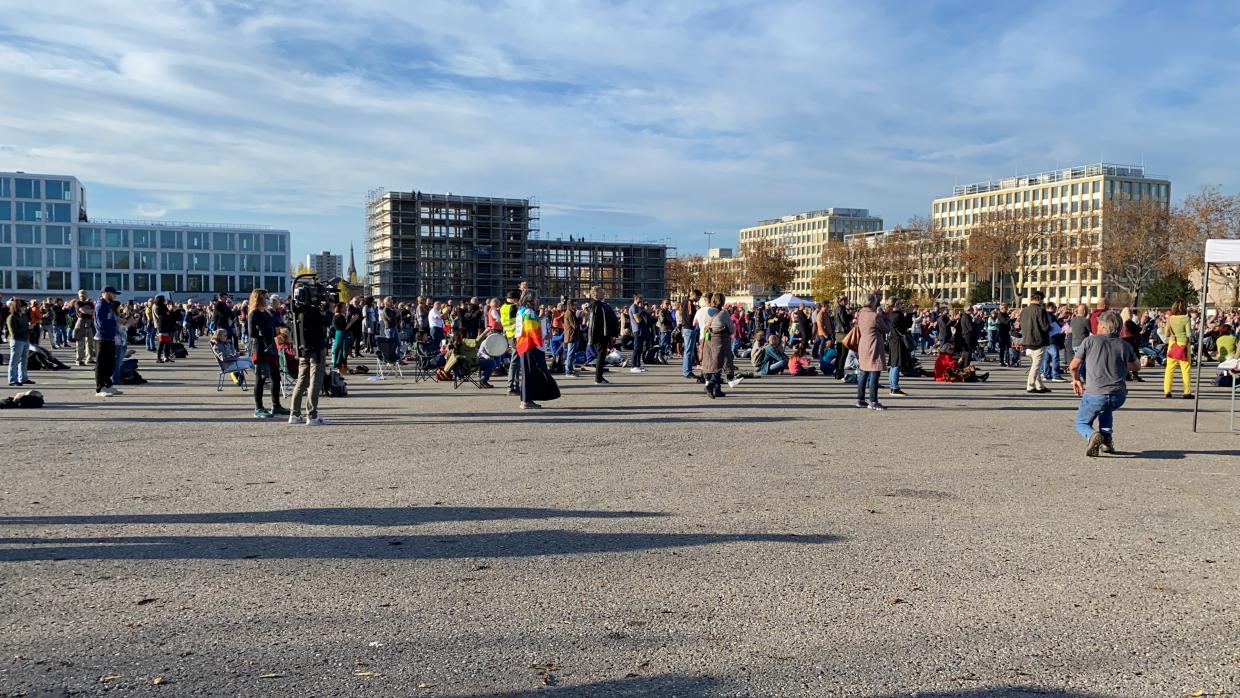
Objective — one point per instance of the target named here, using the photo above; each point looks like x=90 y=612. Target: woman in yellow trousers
x=1177 y=336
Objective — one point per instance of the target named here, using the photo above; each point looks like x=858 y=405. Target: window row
x=35 y=212
x=27 y=188
x=93 y=282
x=24 y=234
x=181 y=239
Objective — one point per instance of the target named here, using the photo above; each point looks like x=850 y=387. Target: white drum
x=495 y=345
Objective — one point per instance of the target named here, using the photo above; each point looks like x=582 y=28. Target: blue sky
x=641 y=121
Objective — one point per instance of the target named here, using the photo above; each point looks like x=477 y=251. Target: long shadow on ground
x=395 y=547
x=342 y=516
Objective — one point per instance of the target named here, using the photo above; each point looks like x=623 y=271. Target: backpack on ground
x=334 y=385
x=179 y=351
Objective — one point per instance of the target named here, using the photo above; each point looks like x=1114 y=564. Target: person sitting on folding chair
x=465 y=358
x=230 y=362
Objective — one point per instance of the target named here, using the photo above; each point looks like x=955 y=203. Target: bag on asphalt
x=335 y=385
x=179 y=351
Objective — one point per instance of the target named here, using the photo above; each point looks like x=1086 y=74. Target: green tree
x=982 y=292
x=343 y=288
x=1165 y=291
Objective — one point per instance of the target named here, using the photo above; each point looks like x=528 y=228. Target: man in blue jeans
x=1107 y=360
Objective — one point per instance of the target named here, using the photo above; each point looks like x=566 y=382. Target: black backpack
x=335 y=385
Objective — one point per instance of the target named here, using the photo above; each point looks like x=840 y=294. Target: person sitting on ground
x=799 y=364
x=771 y=360
x=826 y=364
x=1226 y=343
x=948 y=369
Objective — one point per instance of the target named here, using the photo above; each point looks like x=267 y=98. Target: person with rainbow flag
x=537 y=382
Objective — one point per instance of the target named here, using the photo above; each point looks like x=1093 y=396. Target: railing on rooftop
x=177 y=224
x=1050 y=176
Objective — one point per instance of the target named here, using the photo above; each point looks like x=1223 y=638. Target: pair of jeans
x=120 y=361
x=893 y=378
x=867 y=379
x=514 y=367
x=570 y=357
x=691 y=340
x=17 y=362
x=665 y=342
x=1004 y=347
x=60 y=335
x=1100 y=408
x=151 y=333
x=1050 y=363
x=486 y=367
x=639 y=348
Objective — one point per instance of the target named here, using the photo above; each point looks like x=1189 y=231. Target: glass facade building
x=49 y=246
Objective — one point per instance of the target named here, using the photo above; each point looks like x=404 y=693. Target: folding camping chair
x=423 y=366
x=287 y=382
x=231 y=365
x=463 y=370
x=387 y=356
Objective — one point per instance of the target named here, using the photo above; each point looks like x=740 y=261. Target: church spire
x=352 y=266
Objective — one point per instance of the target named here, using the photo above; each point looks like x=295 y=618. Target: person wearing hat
x=105 y=334
x=83 y=328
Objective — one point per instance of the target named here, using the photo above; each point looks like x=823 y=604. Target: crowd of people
x=542 y=341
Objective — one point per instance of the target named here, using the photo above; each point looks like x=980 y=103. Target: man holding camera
x=310 y=338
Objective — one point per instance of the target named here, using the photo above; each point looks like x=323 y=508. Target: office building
x=453 y=246
x=326 y=265
x=804 y=235
x=50 y=246
x=1065 y=208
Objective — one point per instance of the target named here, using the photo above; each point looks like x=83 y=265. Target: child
x=230 y=361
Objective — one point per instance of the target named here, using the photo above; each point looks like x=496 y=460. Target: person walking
x=603 y=330
x=18 y=326
x=1035 y=329
x=1178 y=335
x=717 y=332
x=1107 y=360
x=104 y=321
x=310 y=338
x=872 y=326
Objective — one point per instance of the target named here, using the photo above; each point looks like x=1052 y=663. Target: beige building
x=1068 y=202
x=804 y=235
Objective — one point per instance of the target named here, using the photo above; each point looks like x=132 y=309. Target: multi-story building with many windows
x=1060 y=215
x=49 y=246
x=804 y=235
x=453 y=246
x=326 y=265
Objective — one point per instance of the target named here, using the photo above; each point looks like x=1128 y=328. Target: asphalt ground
x=627 y=540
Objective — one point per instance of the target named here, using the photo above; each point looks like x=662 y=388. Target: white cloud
x=659 y=115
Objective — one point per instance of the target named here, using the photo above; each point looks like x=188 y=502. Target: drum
x=495 y=345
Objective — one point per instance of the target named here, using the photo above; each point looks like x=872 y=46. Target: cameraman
x=310 y=338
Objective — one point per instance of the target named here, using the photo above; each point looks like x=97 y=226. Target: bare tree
x=680 y=273
x=1137 y=242
x=1205 y=215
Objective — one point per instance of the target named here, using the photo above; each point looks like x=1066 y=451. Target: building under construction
x=449 y=246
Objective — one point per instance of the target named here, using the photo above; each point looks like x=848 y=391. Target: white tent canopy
x=1224 y=253
x=790 y=301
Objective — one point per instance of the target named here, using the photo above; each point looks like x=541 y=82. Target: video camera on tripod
x=309 y=292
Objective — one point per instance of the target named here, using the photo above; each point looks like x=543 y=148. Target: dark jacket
x=105 y=321
x=1035 y=328
x=19 y=327
x=966 y=340
x=841 y=321
x=899 y=350
x=262 y=330
x=604 y=325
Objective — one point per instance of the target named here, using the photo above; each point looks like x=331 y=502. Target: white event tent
x=790 y=301
x=1220 y=253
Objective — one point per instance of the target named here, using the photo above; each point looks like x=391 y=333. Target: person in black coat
x=899 y=348
x=966 y=339
x=604 y=328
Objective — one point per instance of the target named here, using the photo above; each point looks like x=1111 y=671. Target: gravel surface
x=631 y=539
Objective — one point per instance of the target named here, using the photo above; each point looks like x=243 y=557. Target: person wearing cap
x=83 y=328
x=105 y=334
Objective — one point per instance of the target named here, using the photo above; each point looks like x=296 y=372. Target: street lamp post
x=708 y=233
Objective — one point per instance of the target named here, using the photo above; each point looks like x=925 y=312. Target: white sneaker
x=103 y=393
x=295 y=419
x=735 y=382
x=570 y=375
x=637 y=369
x=315 y=421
